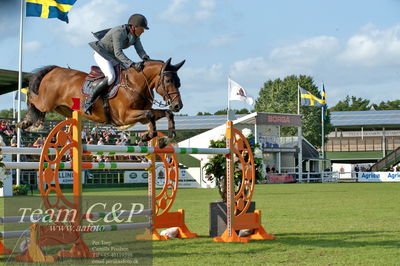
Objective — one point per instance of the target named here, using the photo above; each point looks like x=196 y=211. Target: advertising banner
x=378 y=176
x=65 y=177
x=186 y=177
x=280 y=179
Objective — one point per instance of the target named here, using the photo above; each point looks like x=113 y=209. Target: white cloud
x=32 y=46
x=192 y=76
x=364 y=65
x=307 y=52
x=373 y=47
x=300 y=58
x=186 y=12
x=223 y=40
x=92 y=17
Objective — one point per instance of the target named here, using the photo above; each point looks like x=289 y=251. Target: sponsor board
x=186 y=179
x=378 y=176
x=280 y=179
x=65 y=177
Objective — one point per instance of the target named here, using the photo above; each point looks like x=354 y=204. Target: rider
x=108 y=52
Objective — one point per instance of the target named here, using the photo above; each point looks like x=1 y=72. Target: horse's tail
x=34 y=119
x=35 y=80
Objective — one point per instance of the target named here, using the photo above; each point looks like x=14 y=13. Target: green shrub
x=20 y=190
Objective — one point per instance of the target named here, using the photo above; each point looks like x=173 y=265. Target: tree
x=389 y=105
x=280 y=96
x=352 y=103
x=205 y=113
x=224 y=111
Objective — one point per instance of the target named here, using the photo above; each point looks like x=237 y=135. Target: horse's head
x=168 y=85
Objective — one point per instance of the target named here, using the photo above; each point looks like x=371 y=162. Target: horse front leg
x=171 y=124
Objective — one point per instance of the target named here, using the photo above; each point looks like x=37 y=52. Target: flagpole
x=298 y=98
x=323 y=125
x=227 y=111
x=300 y=138
x=323 y=137
x=21 y=40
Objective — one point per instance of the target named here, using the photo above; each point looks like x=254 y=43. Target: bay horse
x=52 y=88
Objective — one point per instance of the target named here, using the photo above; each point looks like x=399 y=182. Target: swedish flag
x=49 y=8
x=24 y=92
x=323 y=94
x=310 y=100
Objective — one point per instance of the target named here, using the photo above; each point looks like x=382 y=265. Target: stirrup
x=88 y=108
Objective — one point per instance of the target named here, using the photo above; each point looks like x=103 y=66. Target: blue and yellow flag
x=308 y=99
x=24 y=92
x=49 y=8
x=323 y=94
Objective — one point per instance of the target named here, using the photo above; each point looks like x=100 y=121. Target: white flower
x=210 y=157
x=221 y=137
x=258 y=153
x=246 y=132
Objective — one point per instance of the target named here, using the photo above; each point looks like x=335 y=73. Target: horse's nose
x=177 y=107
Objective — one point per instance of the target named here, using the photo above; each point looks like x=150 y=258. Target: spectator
x=90 y=141
x=356 y=169
x=13 y=141
x=84 y=135
x=3 y=127
x=273 y=169
x=100 y=142
x=107 y=140
x=268 y=169
x=38 y=143
x=141 y=143
x=95 y=131
x=111 y=131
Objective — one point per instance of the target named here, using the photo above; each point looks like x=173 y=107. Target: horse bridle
x=162 y=74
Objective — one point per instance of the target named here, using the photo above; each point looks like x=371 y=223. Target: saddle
x=95 y=76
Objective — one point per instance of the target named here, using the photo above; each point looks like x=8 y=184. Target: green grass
x=315 y=224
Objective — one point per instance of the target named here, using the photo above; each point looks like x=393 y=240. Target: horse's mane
x=37 y=77
x=153 y=62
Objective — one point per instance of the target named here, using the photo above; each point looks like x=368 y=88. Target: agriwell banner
x=378 y=176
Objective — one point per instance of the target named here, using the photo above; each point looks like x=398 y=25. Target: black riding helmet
x=138 y=20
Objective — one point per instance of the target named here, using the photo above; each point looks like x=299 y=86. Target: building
x=363 y=136
x=279 y=152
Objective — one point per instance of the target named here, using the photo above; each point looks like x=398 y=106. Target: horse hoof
x=162 y=143
x=171 y=134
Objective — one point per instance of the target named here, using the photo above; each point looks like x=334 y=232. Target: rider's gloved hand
x=137 y=66
x=146 y=58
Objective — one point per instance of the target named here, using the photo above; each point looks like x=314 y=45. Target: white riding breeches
x=106 y=67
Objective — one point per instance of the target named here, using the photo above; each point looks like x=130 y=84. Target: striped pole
x=85 y=165
x=119 y=150
x=37 y=151
x=147 y=149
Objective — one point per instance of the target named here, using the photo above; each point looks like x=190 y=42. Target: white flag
x=237 y=93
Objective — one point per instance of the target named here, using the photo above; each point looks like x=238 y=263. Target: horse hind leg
x=33 y=120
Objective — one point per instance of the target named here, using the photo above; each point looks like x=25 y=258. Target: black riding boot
x=96 y=92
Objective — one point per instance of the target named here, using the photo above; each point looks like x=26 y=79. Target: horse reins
x=152 y=100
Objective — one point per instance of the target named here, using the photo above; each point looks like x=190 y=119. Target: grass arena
x=315 y=224
x=330 y=223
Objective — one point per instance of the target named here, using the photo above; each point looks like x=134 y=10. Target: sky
x=353 y=47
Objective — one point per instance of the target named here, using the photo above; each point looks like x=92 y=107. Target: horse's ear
x=179 y=65
x=167 y=64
